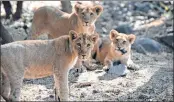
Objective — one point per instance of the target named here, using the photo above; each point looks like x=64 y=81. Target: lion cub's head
x=88 y=12
x=82 y=43
x=121 y=42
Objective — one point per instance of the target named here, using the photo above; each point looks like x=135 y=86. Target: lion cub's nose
x=86 y=23
x=83 y=56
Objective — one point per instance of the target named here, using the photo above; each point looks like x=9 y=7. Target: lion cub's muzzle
x=83 y=57
x=122 y=50
x=86 y=23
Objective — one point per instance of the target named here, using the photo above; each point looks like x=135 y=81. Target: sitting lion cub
x=117 y=49
x=41 y=58
x=51 y=20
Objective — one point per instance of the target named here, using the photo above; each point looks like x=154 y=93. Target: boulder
x=119 y=69
x=168 y=40
x=143 y=7
x=5 y=36
x=146 y=45
x=124 y=28
x=17 y=34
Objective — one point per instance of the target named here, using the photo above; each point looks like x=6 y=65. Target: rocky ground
x=151 y=22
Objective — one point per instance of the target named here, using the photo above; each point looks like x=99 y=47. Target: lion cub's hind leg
x=16 y=79
x=15 y=88
x=5 y=87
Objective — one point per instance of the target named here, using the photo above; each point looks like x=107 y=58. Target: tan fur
x=55 y=23
x=41 y=58
x=108 y=53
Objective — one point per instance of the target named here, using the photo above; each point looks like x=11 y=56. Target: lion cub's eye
x=124 y=42
x=91 y=14
x=78 y=44
x=88 y=45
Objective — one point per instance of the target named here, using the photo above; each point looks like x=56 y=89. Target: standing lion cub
x=51 y=20
x=116 y=49
x=41 y=58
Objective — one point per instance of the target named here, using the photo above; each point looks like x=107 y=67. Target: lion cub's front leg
x=61 y=86
x=107 y=64
x=131 y=65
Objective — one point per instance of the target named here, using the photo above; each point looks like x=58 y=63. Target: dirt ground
x=152 y=82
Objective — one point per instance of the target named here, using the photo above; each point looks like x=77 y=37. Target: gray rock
x=168 y=40
x=120 y=69
x=18 y=24
x=144 y=96
x=124 y=28
x=144 y=7
x=17 y=34
x=5 y=36
x=146 y=45
x=95 y=91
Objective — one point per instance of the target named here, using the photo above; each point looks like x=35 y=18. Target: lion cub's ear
x=73 y=35
x=131 y=38
x=77 y=7
x=113 y=34
x=98 y=9
x=94 y=38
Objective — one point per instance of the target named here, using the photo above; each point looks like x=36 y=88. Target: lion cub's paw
x=90 y=66
x=106 y=68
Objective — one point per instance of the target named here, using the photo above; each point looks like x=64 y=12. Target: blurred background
x=150 y=21
x=145 y=18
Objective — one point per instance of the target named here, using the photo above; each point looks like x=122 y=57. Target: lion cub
x=116 y=49
x=41 y=58
x=51 y=20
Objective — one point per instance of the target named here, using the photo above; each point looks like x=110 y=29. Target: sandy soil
x=152 y=82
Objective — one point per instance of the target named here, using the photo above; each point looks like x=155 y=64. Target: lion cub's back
x=47 y=13
x=26 y=51
x=11 y=54
x=11 y=49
